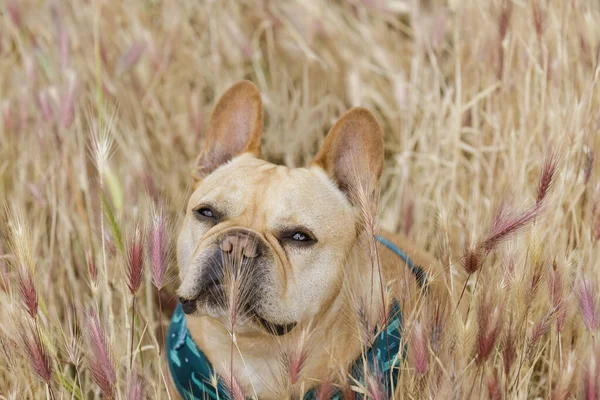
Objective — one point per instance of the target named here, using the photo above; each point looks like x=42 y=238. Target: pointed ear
x=352 y=154
x=235 y=127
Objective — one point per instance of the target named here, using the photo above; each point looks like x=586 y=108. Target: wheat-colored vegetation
x=491 y=114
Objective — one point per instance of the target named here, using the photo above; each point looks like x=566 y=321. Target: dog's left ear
x=235 y=127
x=352 y=154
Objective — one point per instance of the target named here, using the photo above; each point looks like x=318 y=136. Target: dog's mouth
x=274 y=328
x=213 y=296
x=188 y=306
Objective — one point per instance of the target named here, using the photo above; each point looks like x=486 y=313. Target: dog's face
x=264 y=246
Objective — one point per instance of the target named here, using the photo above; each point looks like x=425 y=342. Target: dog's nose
x=242 y=243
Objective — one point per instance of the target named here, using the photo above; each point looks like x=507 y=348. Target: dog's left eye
x=297 y=236
x=300 y=237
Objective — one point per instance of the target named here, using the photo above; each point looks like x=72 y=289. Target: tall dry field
x=104 y=105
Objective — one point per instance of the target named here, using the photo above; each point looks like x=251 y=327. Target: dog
x=277 y=264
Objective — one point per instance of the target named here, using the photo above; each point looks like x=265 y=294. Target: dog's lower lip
x=275 y=329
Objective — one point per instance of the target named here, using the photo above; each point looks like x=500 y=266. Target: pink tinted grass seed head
x=135 y=261
x=36 y=351
x=490 y=324
x=592 y=389
x=509 y=348
x=588 y=303
x=14 y=11
x=99 y=356
x=295 y=363
x=28 y=292
x=418 y=348
x=547 y=177
x=233 y=387
x=325 y=390
x=136 y=387
x=130 y=57
x=92 y=269
x=374 y=388
x=541 y=329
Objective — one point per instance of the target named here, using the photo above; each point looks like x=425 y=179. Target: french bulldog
x=277 y=261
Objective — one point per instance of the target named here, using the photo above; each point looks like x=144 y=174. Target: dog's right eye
x=205 y=213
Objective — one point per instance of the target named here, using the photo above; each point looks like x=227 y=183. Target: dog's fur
x=315 y=287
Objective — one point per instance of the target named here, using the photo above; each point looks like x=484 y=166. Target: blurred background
x=103 y=109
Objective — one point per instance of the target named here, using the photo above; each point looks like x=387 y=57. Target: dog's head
x=263 y=245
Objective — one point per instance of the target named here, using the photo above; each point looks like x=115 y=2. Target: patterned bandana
x=195 y=378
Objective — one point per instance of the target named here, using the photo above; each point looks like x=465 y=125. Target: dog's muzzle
x=240 y=258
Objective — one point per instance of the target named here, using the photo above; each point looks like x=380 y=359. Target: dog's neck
x=330 y=341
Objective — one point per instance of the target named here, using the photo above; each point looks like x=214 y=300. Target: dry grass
x=103 y=108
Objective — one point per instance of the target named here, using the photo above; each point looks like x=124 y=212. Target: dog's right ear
x=235 y=127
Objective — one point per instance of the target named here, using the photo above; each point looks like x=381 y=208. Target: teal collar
x=195 y=378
